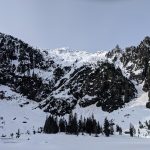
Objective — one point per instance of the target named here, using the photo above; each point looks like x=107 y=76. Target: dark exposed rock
x=148 y=105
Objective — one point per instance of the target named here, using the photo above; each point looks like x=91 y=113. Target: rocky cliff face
x=62 y=79
x=136 y=61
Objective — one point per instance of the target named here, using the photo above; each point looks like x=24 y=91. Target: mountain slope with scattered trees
x=61 y=79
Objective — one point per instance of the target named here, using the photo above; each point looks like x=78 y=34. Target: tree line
x=80 y=126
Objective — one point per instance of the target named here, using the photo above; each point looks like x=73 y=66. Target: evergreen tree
x=69 y=125
x=89 y=126
x=132 y=130
x=75 y=124
x=138 y=132
x=72 y=127
x=94 y=124
x=140 y=125
x=80 y=125
x=99 y=129
x=62 y=125
x=51 y=125
x=11 y=135
x=147 y=123
x=120 y=131
x=96 y=129
x=84 y=125
x=106 y=128
x=18 y=134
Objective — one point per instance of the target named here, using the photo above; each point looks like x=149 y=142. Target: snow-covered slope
x=17 y=112
x=68 y=57
x=133 y=112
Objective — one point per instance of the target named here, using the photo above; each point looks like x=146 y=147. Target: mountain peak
x=146 y=41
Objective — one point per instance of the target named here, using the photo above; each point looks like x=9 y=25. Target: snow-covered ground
x=16 y=113
x=72 y=142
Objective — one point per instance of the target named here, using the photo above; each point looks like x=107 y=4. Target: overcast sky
x=79 y=24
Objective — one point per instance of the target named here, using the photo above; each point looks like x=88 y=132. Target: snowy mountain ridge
x=66 y=55
x=59 y=79
x=114 y=84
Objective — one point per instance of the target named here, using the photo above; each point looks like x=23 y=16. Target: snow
x=72 y=142
x=68 y=57
x=45 y=75
x=14 y=115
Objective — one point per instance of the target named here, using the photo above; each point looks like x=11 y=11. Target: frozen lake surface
x=72 y=142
